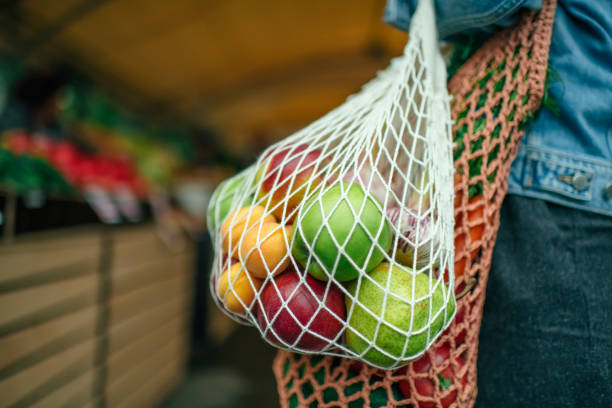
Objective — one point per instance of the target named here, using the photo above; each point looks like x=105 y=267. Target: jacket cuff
x=398 y=13
x=454 y=18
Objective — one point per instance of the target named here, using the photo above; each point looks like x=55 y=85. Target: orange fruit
x=236 y=289
x=239 y=222
x=265 y=249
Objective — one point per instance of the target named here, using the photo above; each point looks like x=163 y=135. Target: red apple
x=288 y=179
x=306 y=305
x=425 y=387
x=358 y=367
x=458 y=320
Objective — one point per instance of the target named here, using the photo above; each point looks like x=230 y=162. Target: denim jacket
x=564 y=158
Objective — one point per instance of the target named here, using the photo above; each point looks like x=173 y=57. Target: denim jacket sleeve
x=461 y=16
x=565 y=157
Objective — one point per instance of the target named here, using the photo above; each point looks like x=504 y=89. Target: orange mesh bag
x=495 y=96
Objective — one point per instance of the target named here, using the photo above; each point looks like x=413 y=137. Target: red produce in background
x=17 y=142
x=80 y=169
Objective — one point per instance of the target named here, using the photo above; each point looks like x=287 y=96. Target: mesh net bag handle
x=495 y=96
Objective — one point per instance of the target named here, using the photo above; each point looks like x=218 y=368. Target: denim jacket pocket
x=559 y=177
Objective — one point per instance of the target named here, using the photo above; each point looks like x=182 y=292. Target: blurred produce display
x=62 y=159
x=155 y=151
x=62 y=137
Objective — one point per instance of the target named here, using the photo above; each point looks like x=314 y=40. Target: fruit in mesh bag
x=287 y=178
x=265 y=249
x=239 y=223
x=425 y=387
x=476 y=227
x=227 y=192
x=300 y=311
x=340 y=232
x=458 y=321
x=237 y=289
x=417 y=242
x=366 y=176
x=384 y=339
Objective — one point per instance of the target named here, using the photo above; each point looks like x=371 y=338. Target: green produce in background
x=10 y=72
x=22 y=173
x=87 y=138
x=346 y=215
x=157 y=151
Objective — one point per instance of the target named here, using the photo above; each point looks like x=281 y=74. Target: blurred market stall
x=117 y=120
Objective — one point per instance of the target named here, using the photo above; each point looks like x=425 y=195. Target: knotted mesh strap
x=496 y=94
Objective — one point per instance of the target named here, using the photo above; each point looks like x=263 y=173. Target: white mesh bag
x=339 y=239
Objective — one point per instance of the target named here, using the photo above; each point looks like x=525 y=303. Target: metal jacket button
x=580 y=181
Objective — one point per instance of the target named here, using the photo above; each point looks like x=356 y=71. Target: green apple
x=337 y=226
x=223 y=198
x=394 y=345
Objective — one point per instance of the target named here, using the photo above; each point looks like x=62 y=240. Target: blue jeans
x=546 y=336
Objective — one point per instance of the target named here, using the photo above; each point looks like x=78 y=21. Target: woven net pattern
x=496 y=94
x=339 y=239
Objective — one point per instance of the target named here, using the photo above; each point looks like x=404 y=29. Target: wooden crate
x=149 y=298
x=50 y=308
x=92 y=317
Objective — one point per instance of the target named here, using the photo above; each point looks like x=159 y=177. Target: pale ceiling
x=246 y=67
